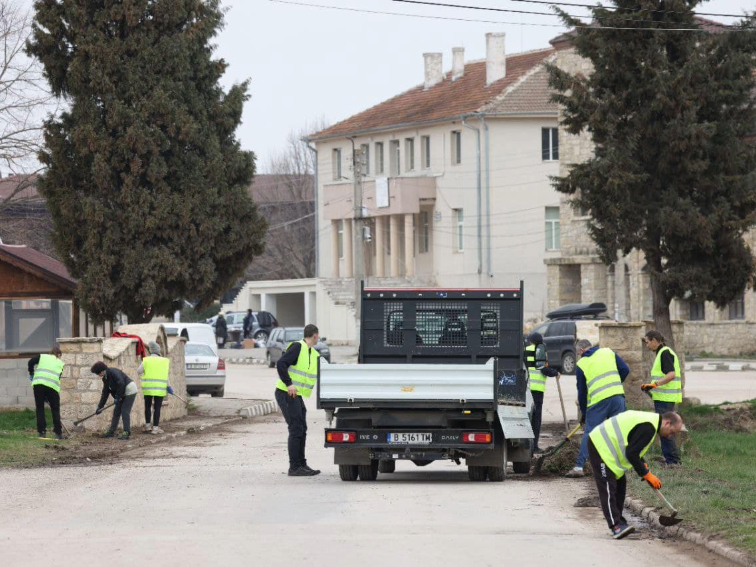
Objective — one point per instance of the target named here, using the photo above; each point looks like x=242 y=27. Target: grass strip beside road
x=19 y=443
x=714 y=491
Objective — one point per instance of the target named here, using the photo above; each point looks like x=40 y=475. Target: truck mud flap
x=515 y=422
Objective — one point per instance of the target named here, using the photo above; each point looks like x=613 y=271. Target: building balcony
x=381 y=197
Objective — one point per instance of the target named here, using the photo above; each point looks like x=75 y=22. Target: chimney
x=458 y=63
x=434 y=71
x=496 y=57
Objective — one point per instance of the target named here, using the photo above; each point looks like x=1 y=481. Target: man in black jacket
x=123 y=390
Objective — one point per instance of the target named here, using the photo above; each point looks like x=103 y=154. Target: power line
x=635 y=9
x=423 y=16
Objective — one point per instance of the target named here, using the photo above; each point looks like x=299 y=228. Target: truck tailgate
x=380 y=385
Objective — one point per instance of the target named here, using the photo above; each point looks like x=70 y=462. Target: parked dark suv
x=566 y=325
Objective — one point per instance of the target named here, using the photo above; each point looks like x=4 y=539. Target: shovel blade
x=668 y=521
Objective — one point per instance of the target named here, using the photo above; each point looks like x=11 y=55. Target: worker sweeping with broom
x=154 y=370
x=618 y=445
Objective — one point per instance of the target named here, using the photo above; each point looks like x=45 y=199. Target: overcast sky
x=309 y=63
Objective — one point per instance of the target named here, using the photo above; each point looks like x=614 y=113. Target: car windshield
x=293 y=335
x=198 y=350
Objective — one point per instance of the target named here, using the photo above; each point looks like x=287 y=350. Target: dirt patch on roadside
x=738 y=418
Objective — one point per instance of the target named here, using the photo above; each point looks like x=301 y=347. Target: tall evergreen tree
x=145 y=179
x=672 y=173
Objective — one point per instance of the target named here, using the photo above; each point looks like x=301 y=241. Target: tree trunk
x=661 y=310
x=138 y=316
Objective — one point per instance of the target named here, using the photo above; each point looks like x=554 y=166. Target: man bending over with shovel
x=616 y=446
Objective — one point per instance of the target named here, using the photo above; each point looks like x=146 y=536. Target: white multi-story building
x=456 y=186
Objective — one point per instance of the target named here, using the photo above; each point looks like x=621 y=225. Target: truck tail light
x=476 y=437
x=221 y=364
x=341 y=437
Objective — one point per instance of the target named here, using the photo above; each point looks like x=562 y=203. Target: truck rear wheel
x=387 y=466
x=477 y=474
x=521 y=467
x=348 y=472
x=497 y=474
x=369 y=472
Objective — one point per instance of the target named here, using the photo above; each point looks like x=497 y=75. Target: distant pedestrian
x=538 y=371
x=600 y=374
x=297 y=375
x=44 y=373
x=665 y=388
x=247 y=324
x=221 y=330
x=124 y=392
x=618 y=445
x=155 y=371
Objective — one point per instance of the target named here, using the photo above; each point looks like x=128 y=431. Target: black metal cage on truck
x=440 y=376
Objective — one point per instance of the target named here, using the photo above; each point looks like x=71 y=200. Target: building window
x=394 y=157
x=737 y=307
x=379 y=158
x=341 y=238
x=336 y=164
x=409 y=154
x=456 y=147
x=458 y=217
x=424 y=233
x=425 y=150
x=550 y=144
x=365 y=158
x=553 y=239
x=697 y=311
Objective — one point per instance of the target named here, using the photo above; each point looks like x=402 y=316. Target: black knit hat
x=98 y=367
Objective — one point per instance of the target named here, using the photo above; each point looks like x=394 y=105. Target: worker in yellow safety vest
x=154 y=370
x=600 y=373
x=297 y=375
x=618 y=445
x=665 y=387
x=538 y=371
x=44 y=372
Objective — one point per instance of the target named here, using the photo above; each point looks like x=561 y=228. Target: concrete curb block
x=247 y=360
x=259 y=410
x=720 y=548
x=720 y=367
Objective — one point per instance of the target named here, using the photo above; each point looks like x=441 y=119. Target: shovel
x=76 y=423
x=554 y=449
x=667 y=521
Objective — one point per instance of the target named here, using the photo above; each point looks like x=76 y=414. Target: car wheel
x=568 y=363
x=261 y=336
x=218 y=393
x=348 y=472
x=477 y=474
x=386 y=466
x=271 y=364
x=368 y=472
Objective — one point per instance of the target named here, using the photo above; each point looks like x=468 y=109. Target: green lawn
x=715 y=490
x=19 y=445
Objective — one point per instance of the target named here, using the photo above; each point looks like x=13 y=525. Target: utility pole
x=358 y=163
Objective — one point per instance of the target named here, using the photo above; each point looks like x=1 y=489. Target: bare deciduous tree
x=25 y=102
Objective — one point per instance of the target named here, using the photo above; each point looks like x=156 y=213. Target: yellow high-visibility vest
x=672 y=390
x=304 y=374
x=601 y=375
x=47 y=372
x=155 y=379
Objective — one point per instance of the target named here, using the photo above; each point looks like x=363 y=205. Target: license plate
x=197 y=366
x=418 y=438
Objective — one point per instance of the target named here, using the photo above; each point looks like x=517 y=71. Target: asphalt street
x=224 y=499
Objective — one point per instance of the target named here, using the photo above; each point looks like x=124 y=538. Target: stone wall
x=80 y=389
x=15 y=388
x=724 y=338
x=625 y=340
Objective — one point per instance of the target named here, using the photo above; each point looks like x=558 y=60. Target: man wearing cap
x=600 y=375
x=618 y=445
x=154 y=370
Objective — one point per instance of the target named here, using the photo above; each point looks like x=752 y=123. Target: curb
x=720 y=367
x=716 y=547
x=259 y=410
x=247 y=360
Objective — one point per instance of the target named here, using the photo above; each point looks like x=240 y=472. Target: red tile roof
x=446 y=100
x=40 y=264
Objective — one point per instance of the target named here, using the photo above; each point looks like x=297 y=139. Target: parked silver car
x=205 y=371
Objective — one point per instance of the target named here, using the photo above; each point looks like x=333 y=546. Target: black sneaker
x=60 y=436
x=622 y=530
x=309 y=470
x=125 y=436
x=301 y=471
x=109 y=434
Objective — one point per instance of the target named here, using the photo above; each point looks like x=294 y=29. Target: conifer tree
x=145 y=179
x=673 y=173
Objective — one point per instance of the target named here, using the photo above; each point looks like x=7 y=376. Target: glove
x=649 y=387
x=98 y=411
x=652 y=480
x=31 y=377
x=170 y=390
x=115 y=400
